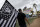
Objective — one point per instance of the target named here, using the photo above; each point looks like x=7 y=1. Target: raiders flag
x=8 y=15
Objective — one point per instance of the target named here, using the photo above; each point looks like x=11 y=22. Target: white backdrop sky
x=21 y=3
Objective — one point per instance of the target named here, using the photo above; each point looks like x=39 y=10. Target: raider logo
x=6 y=10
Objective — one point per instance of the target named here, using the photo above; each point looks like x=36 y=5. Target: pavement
x=36 y=23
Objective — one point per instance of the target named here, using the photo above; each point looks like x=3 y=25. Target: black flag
x=8 y=15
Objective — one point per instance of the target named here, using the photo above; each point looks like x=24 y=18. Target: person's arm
x=27 y=21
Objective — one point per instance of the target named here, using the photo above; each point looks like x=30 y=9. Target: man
x=21 y=19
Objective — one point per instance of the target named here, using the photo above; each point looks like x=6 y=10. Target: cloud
x=38 y=7
x=18 y=3
x=21 y=3
x=1 y=3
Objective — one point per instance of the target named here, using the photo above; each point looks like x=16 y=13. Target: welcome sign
x=27 y=11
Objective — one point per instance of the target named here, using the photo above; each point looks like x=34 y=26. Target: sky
x=22 y=3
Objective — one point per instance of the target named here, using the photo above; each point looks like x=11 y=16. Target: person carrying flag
x=21 y=19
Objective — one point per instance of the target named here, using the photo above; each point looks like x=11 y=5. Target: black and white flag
x=8 y=15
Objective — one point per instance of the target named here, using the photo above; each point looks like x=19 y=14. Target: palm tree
x=25 y=8
x=35 y=5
